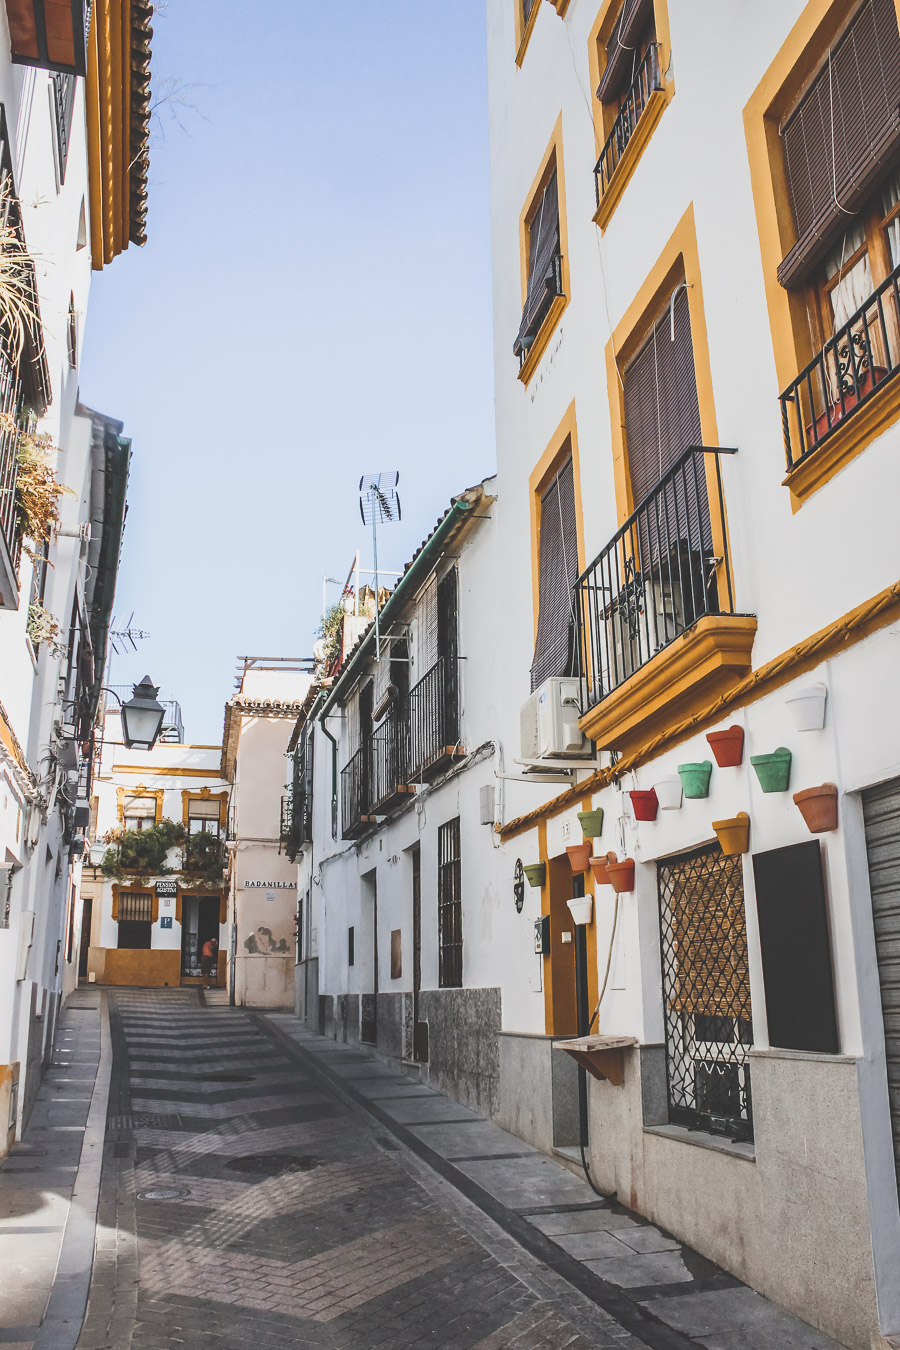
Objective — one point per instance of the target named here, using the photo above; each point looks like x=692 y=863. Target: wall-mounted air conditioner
x=549 y=721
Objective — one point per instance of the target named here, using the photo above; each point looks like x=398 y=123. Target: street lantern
x=142 y=716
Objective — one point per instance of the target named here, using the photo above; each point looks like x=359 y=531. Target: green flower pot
x=591 y=822
x=695 y=778
x=535 y=872
x=773 y=771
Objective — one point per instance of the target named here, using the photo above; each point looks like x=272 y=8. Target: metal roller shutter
x=881 y=809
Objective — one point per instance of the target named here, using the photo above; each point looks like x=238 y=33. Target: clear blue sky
x=313 y=303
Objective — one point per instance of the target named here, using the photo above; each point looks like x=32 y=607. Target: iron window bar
x=647 y=80
x=433 y=720
x=390 y=756
x=355 y=792
x=655 y=579
x=861 y=357
x=450 y=938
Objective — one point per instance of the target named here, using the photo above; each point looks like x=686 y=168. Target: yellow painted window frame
x=797 y=58
x=524 y=30
x=204 y=893
x=135 y=890
x=605 y=115
x=552 y=158
x=139 y=791
x=204 y=795
x=562 y=443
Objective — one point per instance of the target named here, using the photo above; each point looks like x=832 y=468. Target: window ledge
x=539 y=346
x=637 y=143
x=859 y=429
x=807 y=1056
x=700 y=1139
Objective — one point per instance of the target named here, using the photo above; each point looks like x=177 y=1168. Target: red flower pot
x=644 y=803
x=727 y=746
x=599 y=868
x=621 y=874
x=818 y=807
x=579 y=855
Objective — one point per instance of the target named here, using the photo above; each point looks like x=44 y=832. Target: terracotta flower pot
x=774 y=770
x=818 y=807
x=733 y=834
x=579 y=856
x=727 y=746
x=695 y=778
x=669 y=792
x=535 y=872
x=599 y=869
x=621 y=874
x=644 y=804
x=591 y=822
x=807 y=707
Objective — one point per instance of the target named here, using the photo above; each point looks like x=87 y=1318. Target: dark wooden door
x=87 y=913
x=369 y=1010
x=420 y=1028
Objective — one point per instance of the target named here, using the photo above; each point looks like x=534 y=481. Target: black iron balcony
x=647 y=79
x=852 y=366
x=433 y=720
x=356 y=786
x=287 y=817
x=390 y=759
x=656 y=578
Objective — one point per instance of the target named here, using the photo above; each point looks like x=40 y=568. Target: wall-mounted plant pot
x=727 y=746
x=773 y=771
x=644 y=803
x=579 y=856
x=591 y=822
x=668 y=792
x=695 y=778
x=580 y=908
x=621 y=874
x=599 y=868
x=535 y=872
x=733 y=834
x=807 y=707
x=818 y=807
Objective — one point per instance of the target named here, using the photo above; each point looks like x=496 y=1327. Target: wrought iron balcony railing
x=287 y=817
x=852 y=366
x=433 y=719
x=356 y=785
x=10 y=409
x=655 y=579
x=646 y=80
x=390 y=757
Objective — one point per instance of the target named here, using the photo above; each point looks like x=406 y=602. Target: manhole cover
x=225 y=1078
x=164 y=1193
x=272 y=1164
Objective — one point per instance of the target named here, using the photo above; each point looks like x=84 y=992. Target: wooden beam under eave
x=108 y=97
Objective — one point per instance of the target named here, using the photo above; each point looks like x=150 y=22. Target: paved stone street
x=262 y=1185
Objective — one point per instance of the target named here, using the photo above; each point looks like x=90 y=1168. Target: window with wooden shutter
x=843 y=136
x=448 y=650
x=557 y=575
x=633 y=32
x=544 y=266
x=427 y=626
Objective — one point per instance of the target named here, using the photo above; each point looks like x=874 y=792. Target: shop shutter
x=624 y=48
x=843 y=135
x=543 y=247
x=881 y=811
x=557 y=575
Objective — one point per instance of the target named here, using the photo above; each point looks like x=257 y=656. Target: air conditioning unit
x=549 y=721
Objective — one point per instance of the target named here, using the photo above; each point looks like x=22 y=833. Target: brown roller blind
x=543 y=248
x=527 y=7
x=557 y=574
x=842 y=136
x=623 y=51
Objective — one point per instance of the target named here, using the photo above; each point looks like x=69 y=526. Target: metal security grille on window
x=706 y=992
x=135 y=907
x=449 y=906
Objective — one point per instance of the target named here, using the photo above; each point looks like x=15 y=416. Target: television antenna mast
x=125 y=637
x=379 y=504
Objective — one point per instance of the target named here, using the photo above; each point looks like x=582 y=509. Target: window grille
x=135 y=907
x=706 y=992
x=449 y=906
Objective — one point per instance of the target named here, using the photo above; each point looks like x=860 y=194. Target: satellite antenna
x=379 y=504
x=125 y=637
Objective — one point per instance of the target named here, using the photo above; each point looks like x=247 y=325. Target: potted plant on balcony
x=818 y=807
x=727 y=746
x=142 y=852
x=644 y=803
x=535 y=872
x=733 y=834
x=579 y=855
x=38 y=489
x=807 y=707
x=621 y=874
x=204 y=857
x=668 y=792
x=774 y=770
x=591 y=822
x=695 y=778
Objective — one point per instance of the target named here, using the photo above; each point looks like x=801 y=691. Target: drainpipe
x=334 y=770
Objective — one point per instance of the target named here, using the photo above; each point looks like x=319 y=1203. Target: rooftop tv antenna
x=379 y=504
x=128 y=636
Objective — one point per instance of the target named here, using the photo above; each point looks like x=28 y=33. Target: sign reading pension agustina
x=166 y=889
x=272 y=885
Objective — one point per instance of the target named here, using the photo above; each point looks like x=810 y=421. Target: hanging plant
x=43 y=627
x=19 y=314
x=204 y=856
x=38 y=489
x=142 y=851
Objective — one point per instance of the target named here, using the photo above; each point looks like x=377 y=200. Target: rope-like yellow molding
x=846 y=631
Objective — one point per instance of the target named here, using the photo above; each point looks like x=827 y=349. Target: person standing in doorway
x=209 y=957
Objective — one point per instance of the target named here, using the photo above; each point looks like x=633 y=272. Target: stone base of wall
x=538 y=1098
x=463 y=1045
x=9 y=1098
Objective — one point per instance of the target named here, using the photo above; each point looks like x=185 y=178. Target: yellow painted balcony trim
x=539 y=346
x=524 y=36
x=706 y=659
x=858 y=430
x=640 y=137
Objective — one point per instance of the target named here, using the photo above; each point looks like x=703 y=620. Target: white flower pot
x=580 y=908
x=668 y=792
x=807 y=707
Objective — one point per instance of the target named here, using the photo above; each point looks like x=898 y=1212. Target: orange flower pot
x=579 y=855
x=621 y=874
x=727 y=746
x=599 y=868
x=818 y=807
